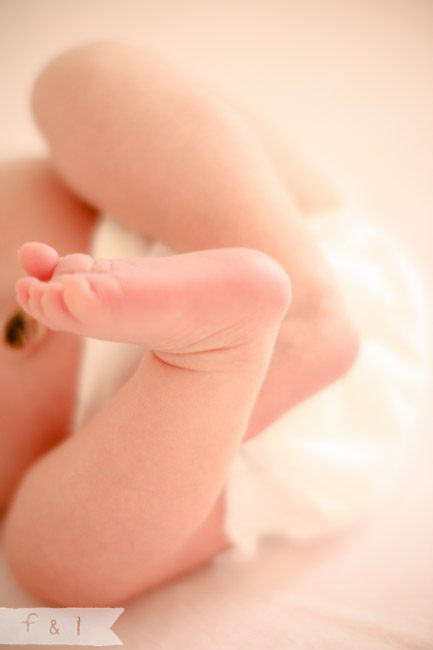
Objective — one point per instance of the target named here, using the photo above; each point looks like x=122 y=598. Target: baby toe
x=91 y=299
x=56 y=312
x=22 y=291
x=102 y=266
x=79 y=298
x=38 y=260
x=75 y=263
x=34 y=306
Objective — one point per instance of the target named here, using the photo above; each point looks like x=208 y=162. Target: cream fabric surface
x=335 y=456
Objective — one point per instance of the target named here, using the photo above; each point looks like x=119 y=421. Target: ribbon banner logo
x=59 y=626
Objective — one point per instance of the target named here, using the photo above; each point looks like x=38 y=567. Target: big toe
x=38 y=260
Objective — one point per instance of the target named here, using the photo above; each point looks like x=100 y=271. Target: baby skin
x=242 y=323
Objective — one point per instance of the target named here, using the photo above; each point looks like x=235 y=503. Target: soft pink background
x=351 y=82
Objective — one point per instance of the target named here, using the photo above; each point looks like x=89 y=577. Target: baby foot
x=184 y=304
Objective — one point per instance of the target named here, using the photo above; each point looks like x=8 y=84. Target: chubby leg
x=31 y=360
x=109 y=512
x=169 y=158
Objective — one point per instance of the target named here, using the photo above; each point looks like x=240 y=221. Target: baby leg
x=168 y=158
x=104 y=515
x=31 y=360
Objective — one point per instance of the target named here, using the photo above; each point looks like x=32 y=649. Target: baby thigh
x=133 y=498
x=37 y=368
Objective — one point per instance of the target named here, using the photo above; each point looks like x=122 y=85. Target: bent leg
x=104 y=515
x=38 y=373
x=170 y=159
